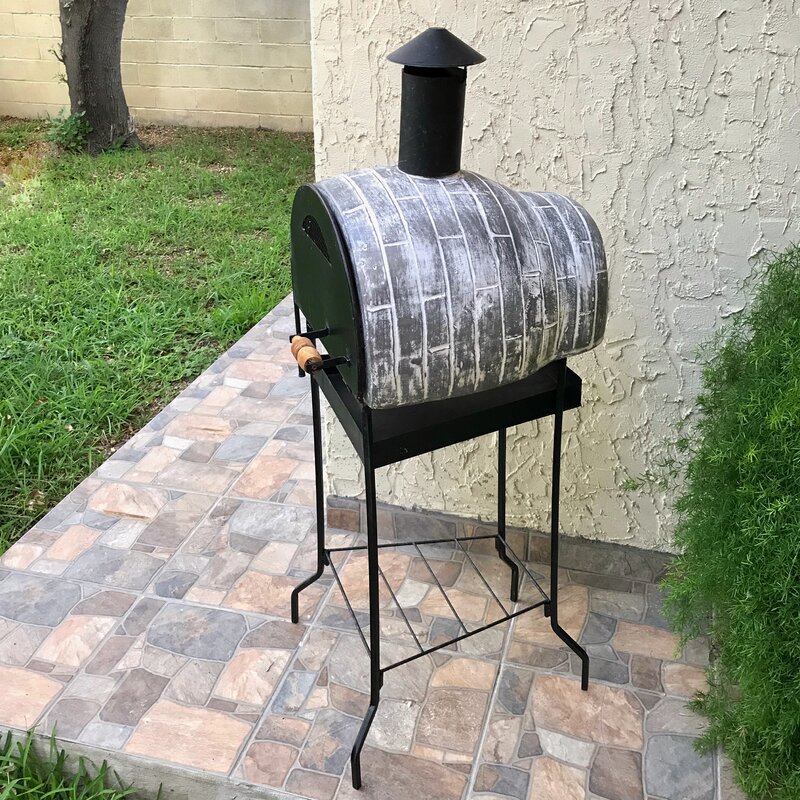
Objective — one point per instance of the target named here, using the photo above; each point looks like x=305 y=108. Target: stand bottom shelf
x=502 y=547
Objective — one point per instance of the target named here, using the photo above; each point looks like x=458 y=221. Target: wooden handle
x=307 y=356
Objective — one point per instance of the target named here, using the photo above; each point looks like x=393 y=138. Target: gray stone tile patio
x=147 y=618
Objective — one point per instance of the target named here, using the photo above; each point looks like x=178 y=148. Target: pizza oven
x=425 y=281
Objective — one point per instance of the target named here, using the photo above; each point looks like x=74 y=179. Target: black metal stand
x=384 y=437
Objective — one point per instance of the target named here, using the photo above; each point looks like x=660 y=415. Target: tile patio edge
x=149 y=777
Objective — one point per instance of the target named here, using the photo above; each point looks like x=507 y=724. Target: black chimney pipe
x=432 y=104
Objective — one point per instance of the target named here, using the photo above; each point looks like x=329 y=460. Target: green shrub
x=69 y=133
x=738 y=575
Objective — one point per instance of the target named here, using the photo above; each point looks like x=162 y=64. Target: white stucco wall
x=676 y=123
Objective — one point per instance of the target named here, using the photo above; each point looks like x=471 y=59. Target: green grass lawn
x=121 y=278
x=27 y=774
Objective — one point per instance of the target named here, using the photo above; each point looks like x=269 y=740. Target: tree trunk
x=91 y=46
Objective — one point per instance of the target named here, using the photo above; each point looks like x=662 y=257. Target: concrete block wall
x=187 y=62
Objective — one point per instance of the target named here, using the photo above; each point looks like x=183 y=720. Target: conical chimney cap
x=436 y=48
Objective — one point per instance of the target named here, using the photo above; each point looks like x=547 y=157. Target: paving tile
x=70 y=544
x=268 y=763
x=502 y=737
x=253 y=524
x=137 y=692
x=646 y=673
x=329 y=742
x=270 y=594
x=112 y=651
x=264 y=477
x=675 y=770
x=529 y=745
x=312 y=784
x=394 y=724
x=287 y=729
x=603 y=714
x=69 y=716
x=239 y=448
x=645 y=640
x=75 y=639
x=130 y=502
x=123 y=534
x=469 y=607
x=193 y=737
x=409 y=683
x=256 y=371
x=156 y=459
x=620 y=605
x=194 y=682
x=275 y=633
x=18 y=646
x=533 y=655
x=617 y=774
x=683 y=680
x=293 y=692
x=573 y=605
x=598 y=629
x=123 y=569
x=654 y=615
x=553 y=780
x=465 y=673
x=224 y=569
x=565 y=748
x=141 y=616
x=199 y=452
x=201 y=427
x=205 y=633
x=673 y=716
x=36 y=600
x=176 y=521
x=502 y=780
x=252 y=675
x=213 y=478
x=451 y=718
x=174 y=584
x=602 y=669
x=395 y=776
x=106 y=603
x=105 y=735
x=161 y=662
x=316 y=649
x=351 y=701
x=25 y=695
x=97 y=688
x=514 y=689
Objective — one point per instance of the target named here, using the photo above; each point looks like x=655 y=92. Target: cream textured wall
x=677 y=124
x=190 y=62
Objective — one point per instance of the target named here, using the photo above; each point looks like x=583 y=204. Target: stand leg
x=501 y=513
x=321 y=557
x=554 y=533
x=375 y=672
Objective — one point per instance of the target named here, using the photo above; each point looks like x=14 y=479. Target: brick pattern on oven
x=501 y=283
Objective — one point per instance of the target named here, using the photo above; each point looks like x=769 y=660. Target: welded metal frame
x=359 y=421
